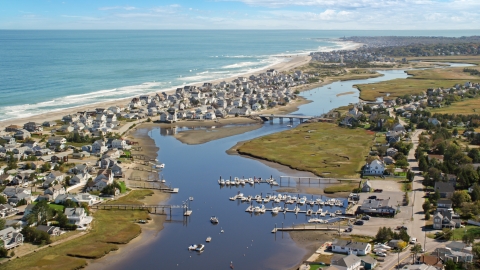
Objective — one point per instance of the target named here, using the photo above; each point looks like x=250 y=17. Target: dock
x=152 y=209
x=305 y=227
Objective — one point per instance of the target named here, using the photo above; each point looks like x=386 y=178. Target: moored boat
x=214 y=220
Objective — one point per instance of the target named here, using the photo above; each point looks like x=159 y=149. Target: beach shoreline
x=57 y=114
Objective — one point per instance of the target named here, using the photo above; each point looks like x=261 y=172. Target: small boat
x=161 y=166
x=200 y=247
x=191 y=198
x=214 y=220
x=289 y=125
x=221 y=182
x=227 y=182
x=221 y=230
x=274 y=183
x=338 y=212
x=208 y=239
x=192 y=247
x=233 y=198
x=249 y=209
x=309 y=212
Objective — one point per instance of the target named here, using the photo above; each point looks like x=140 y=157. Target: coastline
x=295 y=61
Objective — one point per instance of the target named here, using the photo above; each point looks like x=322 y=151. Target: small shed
x=366 y=187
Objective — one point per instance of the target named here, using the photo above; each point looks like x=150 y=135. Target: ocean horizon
x=48 y=70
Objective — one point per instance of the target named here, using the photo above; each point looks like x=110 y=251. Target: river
x=247 y=239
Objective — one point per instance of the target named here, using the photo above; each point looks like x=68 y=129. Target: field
x=103 y=238
x=421 y=80
x=400 y=87
x=321 y=148
x=340 y=188
x=469 y=106
x=453 y=59
x=443 y=74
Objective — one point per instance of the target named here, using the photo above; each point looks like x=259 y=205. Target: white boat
x=242 y=182
x=250 y=181
x=200 y=247
x=249 y=209
x=233 y=198
x=160 y=166
x=338 y=212
x=192 y=247
x=289 y=125
x=227 y=182
x=296 y=209
x=274 y=183
x=208 y=239
x=332 y=214
x=275 y=210
x=322 y=214
x=190 y=198
x=259 y=209
x=239 y=195
x=313 y=220
x=319 y=201
x=309 y=212
x=302 y=201
x=221 y=182
x=214 y=220
x=277 y=200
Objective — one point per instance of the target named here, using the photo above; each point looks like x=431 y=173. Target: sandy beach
x=295 y=61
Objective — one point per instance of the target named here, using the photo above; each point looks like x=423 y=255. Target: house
x=444 y=203
x=54 y=191
x=397 y=244
x=12 y=191
x=350 y=262
x=444 y=218
x=350 y=247
x=112 y=154
x=7 y=210
x=10 y=238
x=52 y=177
x=456 y=256
x=445 y=189
x=33 y=127
x=117 y=171
x=22 y=134
x=434 y=121
x=78 y=198
x=57 y=140
x=79 y=217
x=120 y=144
x=431 y=260
x=368 y=262
x=99 y=147
x=51 y=230
x=80 y=178
x=376 y=167
x=376 y=207
x=456 y=246
x=391 y=152
x=388 y=160
x=367 y=187
x=420 y=267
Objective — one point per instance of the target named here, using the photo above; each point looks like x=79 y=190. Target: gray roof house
x=376 y=207
x=11 y=238
x=446 y=189
x=350 y=262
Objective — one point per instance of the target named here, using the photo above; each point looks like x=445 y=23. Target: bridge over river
x=271 y=117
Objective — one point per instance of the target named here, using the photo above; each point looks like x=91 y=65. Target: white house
x=79 y=217
x=350 y=247
x=78 y=198
x=11 y=238
x=376 y=167
x=120 y=144
x=55 y=191
x=99 y=146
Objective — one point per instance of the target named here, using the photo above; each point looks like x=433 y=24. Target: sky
x=241 y=14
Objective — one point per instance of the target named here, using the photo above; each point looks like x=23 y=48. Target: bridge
x=270 y=117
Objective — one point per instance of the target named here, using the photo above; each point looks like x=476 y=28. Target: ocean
x=42 y=71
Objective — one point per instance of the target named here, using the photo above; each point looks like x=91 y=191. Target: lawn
x=321 y=148
x=102 y=239
x=469 y=106
x=458 y=233
x=340 y=188
x=133 y=197
x=123 y=187
x=451 y=58
x=443 y=74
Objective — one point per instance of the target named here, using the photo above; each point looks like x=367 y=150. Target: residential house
x=120 y=144
x=388 y=160
x=376 y=167
x=366 y=187
x=10 y=238
x=99 y=147
x=434 y=121
x=350 y=262
x=117 y=171
x=57 y=140
x=22 y=134
x=430 y=260
x=376 y=207
x=78 y=198
x=33 y=127
x=51 y=230
x=456 y=256
x=80 y=178
x=54 y=191
x=420 y=267
x=445 y=189
x=7 y=210
x=350 y=247
x=368 y=262
x=391 y=151
x=52 y=177
x=79 y=217
x=444 y=203
x=444 y=218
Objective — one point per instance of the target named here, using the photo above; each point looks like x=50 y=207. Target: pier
x=291 y=117
x=152 y=209
x=319 y=180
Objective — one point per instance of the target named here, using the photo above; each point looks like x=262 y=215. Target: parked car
x=401 y=228
x=349 y=229
x=359 y=222
x=381 y=254
x=378 y=190
x=372 y=197
x=367 y=217
x=413 y=240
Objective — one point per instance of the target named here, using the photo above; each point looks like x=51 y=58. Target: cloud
x=118 y=7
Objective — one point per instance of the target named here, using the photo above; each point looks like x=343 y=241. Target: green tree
x=447 y=234
x=426 y=206
x=3 y=200
x=427 y=216
x=3 y=252
x=450 y=265
x=417 y=248
x=475 y=195
x=2 y=223
x=40 y=213
x=459 y=197
x=468 y=238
